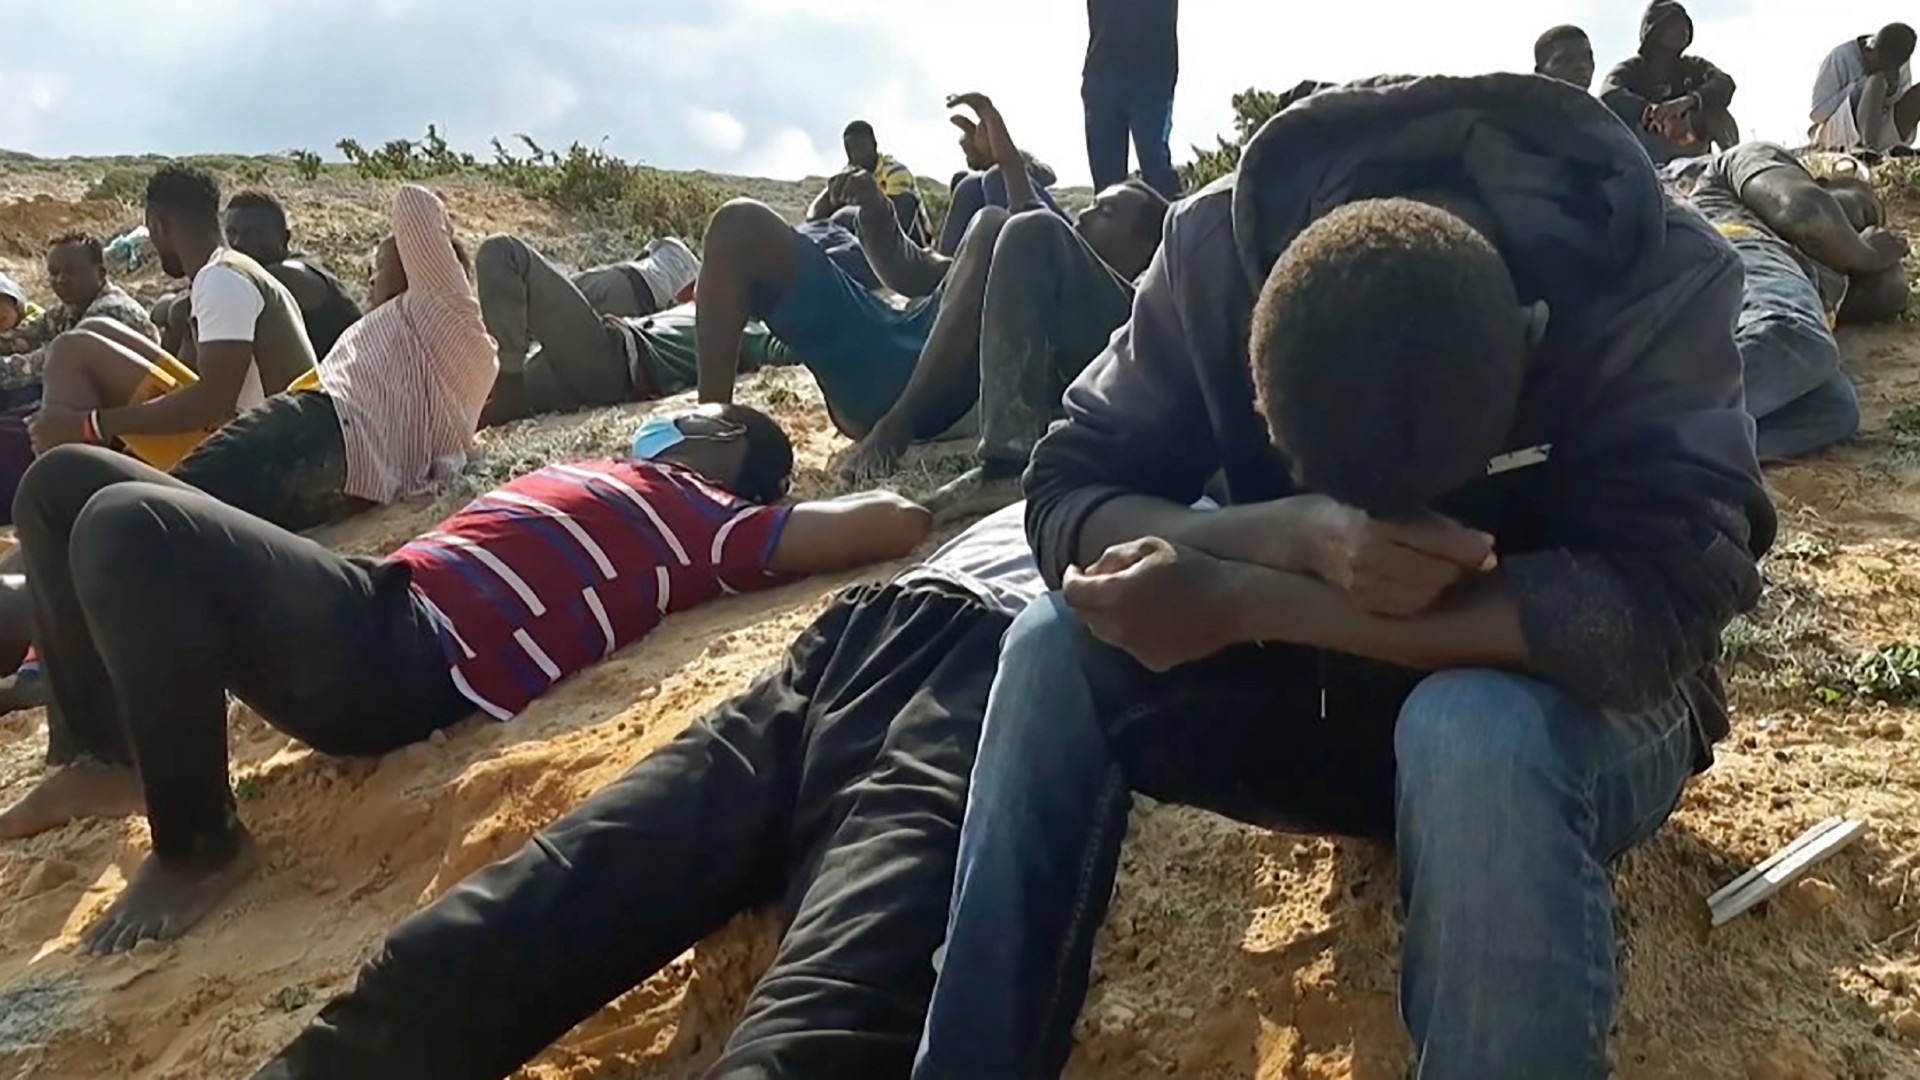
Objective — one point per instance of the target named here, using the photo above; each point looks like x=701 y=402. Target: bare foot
x=77 y=791
x=166 y=899
x=873 y=457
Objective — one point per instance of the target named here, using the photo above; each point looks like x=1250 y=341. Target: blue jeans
x=1506 y=797
x=1120 y=107
x=975 y=192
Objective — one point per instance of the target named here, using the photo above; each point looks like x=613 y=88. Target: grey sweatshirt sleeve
x=1659 y=511
x=1136 y=424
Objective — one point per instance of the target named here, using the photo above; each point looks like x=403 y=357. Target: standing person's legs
x=1512 y=799
x=1150 y=120
x=878 y=816
x=284 y=462
x=1103 y=98
x=525 y=299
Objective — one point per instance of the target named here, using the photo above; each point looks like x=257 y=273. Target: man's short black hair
x=860 y=128
x=184 y=190
x=1388 y=348
x=1153 y=211
x=1544 y=45
x=768 y=467
x=258 y=200
x=1895 y=40
x=87 y=242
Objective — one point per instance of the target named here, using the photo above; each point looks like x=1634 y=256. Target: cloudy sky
x=762 y=87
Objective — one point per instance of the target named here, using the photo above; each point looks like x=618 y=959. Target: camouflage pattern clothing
x=23 y=350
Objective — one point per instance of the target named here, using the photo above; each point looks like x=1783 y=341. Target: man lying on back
x=832 y=786
x=527 y=585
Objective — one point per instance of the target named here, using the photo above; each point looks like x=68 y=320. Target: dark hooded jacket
x=1636 y=542
x=1632 y=86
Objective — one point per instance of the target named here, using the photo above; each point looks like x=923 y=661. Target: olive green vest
x=281 y=349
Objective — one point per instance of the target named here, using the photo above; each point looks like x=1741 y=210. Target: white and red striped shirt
x=409 y=380
x=539 y=579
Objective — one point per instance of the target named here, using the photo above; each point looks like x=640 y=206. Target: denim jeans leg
x=1512 y=799
x=1045 y=820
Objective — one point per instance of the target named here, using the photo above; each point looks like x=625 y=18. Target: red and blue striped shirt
x=551 y=573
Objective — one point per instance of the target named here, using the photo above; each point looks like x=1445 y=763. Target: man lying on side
x=833 y=786
x=527 y=585
x=1778 y=216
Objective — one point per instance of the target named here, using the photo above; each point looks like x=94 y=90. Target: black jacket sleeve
x=1136 y=424
x=1656 y=515
x=1714 y=86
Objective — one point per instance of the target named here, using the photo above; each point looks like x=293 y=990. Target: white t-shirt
x=227 y=307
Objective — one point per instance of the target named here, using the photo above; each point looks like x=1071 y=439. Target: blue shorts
x=860 y=348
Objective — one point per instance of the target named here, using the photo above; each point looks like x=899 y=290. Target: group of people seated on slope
x=1464 y=589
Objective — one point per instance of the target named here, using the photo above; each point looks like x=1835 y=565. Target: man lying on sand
x=1814 y=254
x=605 y=336
x=527 y=585
x=1029 y=301
x=833 y=786
x=864 y=351
x=1468 y=596
x=107 y=383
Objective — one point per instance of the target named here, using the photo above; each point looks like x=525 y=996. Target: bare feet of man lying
x=75 y=792
x=165 y=899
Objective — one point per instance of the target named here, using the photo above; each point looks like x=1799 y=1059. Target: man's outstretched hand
x=1162 y=603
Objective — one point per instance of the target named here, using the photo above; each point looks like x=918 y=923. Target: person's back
x=334 y=315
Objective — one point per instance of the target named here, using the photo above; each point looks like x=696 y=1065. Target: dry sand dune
x=1231 y=953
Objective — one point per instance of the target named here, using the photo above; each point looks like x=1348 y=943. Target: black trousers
x=835 y=785
x=284 y=462
x=152 y=600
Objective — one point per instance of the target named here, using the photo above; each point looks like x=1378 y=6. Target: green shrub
x=1251 y=109
x=120 y=185
x=588 y=180
x=306 y=163
x=402 y=159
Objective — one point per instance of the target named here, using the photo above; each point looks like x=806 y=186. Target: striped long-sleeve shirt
x=409 y=380
x=546 y=576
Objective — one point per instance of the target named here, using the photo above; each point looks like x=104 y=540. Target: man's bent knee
x=1032 y=234
x=739 y=219
x=500 y=250
x=1477 y=729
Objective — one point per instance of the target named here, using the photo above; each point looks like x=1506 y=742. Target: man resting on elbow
x=1492 y=499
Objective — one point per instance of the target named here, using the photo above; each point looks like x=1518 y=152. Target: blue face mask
x=656 y=436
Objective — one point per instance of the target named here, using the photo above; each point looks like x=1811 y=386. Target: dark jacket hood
x=1658 y=13
x=1546 y=160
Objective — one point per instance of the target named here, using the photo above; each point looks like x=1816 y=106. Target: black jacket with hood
x=1636 y=542
x=1631 y=86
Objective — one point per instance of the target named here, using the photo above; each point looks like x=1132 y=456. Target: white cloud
x=789 y=155
x=716 y=131
x=766 y=85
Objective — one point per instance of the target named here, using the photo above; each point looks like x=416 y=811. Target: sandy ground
x=1230 y=953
